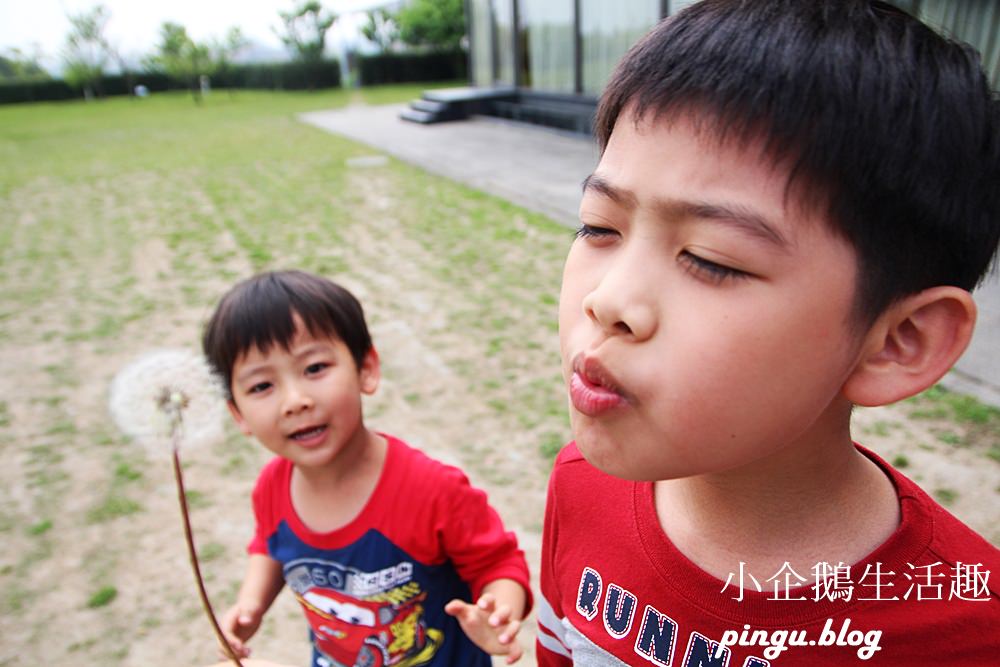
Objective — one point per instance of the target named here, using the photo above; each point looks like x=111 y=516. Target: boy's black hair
x=890 y=130
x=258 y=313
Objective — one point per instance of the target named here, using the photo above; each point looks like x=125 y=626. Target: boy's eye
x=590 y=231
x=709 y=270
x=259 y=387
x=316 y=367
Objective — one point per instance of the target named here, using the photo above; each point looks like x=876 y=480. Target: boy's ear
x=911 y=345
x=237 y=417
x=370 y=372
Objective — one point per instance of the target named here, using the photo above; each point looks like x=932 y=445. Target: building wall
x=547 y=32
x=974 y=21
x=607 y=30
x=571 y=46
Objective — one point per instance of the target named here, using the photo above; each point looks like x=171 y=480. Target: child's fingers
x=456 y=607
x=486 y=601
x=500 y=616
x=230 y=630
x=234 y=637
x=238 y=625
x=515 y=653
x=237 y=647
x=508 y=634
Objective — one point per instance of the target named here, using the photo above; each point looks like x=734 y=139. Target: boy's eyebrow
x=298 y=353
x=249 y=372
x=736 y=215
x=745 y=219
x=603 y=187
x=305 y=350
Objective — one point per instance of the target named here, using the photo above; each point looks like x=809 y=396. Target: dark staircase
x=445 y=104
x=426 y=111
x=565 y=112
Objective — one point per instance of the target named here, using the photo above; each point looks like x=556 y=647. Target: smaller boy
x=382 y=546
x=793 y=202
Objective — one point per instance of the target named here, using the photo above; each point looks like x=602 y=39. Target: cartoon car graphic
x=359 y=633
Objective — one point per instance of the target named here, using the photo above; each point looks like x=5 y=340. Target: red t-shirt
x=374 y=590
x=617 y=591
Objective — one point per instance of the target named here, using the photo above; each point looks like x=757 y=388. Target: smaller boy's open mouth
x=308 y=433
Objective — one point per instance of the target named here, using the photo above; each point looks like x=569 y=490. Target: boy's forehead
x=707 y=130
x=303 y=340
x=704 y=158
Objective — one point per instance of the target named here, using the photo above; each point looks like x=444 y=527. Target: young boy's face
x=304 y=403
x=703 y=324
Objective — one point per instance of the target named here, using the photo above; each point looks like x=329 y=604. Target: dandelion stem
x=182 y=497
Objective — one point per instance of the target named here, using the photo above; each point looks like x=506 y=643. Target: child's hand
x=489 y=625
x=238 y=625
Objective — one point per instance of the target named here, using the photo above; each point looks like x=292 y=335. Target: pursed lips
x=593 y=389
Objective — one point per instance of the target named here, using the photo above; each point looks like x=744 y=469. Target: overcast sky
x=134 y=24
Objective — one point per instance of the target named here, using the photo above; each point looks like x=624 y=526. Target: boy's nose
x=296 y=401
x=621 y=306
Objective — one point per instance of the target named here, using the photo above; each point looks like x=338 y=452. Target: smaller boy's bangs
x=262 y=318
x=260 y=313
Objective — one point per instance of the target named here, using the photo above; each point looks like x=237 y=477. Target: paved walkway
x=537 y=168
x=542 y=170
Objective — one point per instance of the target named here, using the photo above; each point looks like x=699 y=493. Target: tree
x=87 y=50
x=181 y=58
x=20 y=66
x=224 y=51
x=381 y=30
x=304 y=33
x=432 y=24
x=186 y=61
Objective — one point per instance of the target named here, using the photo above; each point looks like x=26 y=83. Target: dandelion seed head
x=148 y=395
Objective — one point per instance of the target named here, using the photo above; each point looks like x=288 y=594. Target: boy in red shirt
x=383 y=547
x=792 y=204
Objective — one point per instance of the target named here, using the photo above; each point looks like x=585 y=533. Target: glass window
x=607 y=30
x=974 y=21
x=907 y=5
x=677 y=5
x=481 y=42
x=503 y=41
x=547 y=44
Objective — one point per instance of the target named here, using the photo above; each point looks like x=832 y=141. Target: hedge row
x=280 y=76
x=55 y=89
x=372 y=70
x=404 y=67
x=273 y=76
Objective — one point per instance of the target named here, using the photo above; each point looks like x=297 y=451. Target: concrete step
x=430 y=106
x=467 y=94
x=417 y=116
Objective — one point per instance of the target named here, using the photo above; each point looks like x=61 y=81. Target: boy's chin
x=606 y=456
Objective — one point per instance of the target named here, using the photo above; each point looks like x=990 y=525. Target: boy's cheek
x=238 y=418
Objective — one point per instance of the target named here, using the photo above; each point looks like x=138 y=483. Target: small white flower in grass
x=149 y=394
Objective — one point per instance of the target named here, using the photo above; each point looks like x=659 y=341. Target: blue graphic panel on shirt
x=370 y=603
